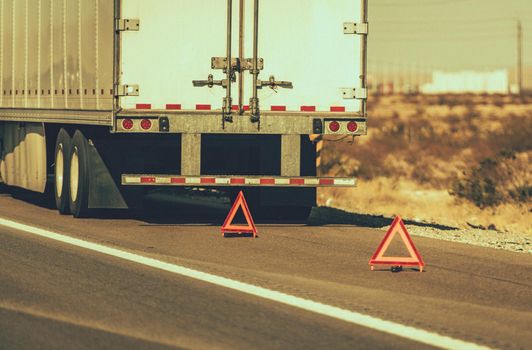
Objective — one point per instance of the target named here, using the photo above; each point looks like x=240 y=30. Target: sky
x=448 y=34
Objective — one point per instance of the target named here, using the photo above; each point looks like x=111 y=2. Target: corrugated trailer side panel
x=6 y=64
x=32 y=50
x=56 y=54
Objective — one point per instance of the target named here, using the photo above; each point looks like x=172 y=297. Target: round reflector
x=352 y=126
x=334 y=126
x=145 y=124
x=127 y=124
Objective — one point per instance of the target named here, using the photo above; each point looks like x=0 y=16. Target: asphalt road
x=56 y=296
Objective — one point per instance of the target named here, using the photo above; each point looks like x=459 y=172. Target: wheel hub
x=59 y=170
x=74 y=175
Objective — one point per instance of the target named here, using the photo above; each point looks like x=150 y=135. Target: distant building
x=495 y=82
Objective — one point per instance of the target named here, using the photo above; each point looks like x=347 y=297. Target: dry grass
x=464 y=161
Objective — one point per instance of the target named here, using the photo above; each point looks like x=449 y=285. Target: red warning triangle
x=228 y=223
x=414 y=259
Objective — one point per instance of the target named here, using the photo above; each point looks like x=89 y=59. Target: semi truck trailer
x=102 y=99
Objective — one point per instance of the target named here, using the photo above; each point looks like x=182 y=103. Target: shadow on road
x=44 y=200
x=206 y=208
x=331 y=216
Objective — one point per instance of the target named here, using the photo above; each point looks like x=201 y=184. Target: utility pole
x=520 y=57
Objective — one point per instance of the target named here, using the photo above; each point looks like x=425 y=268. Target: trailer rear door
x=302 y=42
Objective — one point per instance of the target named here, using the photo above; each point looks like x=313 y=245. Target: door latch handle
x=274 y=84
x=210 y=82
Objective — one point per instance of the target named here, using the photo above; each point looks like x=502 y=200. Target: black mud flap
x=105 y=189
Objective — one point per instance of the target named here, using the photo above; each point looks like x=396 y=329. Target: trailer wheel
x=79 y=176
x=63 y=147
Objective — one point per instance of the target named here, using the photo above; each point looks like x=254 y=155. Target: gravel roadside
x=506 y=240
x=486 y=238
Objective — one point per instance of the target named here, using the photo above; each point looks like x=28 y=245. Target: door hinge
x=127 y=90
x=356 y=28
x=127 y=25
x=352 y=93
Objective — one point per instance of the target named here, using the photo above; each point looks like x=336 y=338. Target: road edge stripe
x=377 y=324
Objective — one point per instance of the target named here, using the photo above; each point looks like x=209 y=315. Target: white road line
x=356 y=318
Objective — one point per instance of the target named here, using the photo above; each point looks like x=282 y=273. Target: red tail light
x=145 y=124
x=127 y=124
x=352 y=126
x=334 y=126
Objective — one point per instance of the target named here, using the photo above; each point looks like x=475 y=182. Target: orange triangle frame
x=228 y=223
x=414 y=259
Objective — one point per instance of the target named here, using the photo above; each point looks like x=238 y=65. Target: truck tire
x=63 y=146
x=79 y=176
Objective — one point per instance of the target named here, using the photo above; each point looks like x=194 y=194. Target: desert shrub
x=516 y=135
x=496 y=180
x=479 y=186
x=375 y=98
x=406 y=142
x=498 y=102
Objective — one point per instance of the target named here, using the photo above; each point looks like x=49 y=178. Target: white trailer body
x=165 y=92
x=300 y=42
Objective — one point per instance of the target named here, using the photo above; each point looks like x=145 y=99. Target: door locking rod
x=228 y=100
x=254 y=102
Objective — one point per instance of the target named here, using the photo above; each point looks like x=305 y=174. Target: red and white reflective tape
x=246 y=181
x=208 y=107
